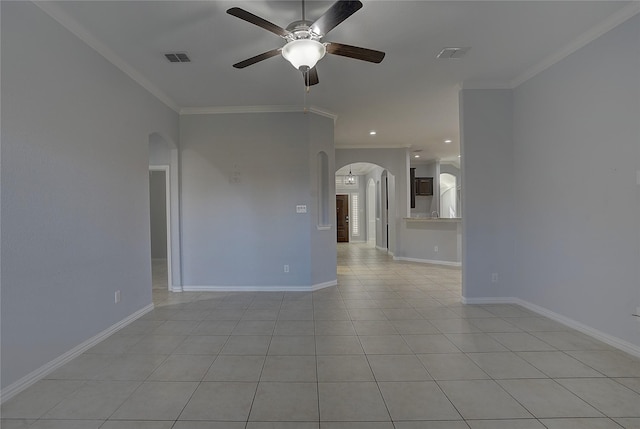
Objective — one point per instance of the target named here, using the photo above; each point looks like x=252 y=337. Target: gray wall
x=421 y=237
x=375 y=174
x=486 y=118
x=242 y=177
x=322 y=241
x=576 y=154
x=158 y=214
x=75 y=191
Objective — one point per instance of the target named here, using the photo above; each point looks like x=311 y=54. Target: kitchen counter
x=431 y=240
x=433 y=219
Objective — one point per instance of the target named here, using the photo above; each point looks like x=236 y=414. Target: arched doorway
x=164 y=224
x=367 y=201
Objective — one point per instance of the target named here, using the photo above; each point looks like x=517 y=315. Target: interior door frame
x=167 y=199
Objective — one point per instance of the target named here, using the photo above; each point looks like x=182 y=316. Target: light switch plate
x=301 y=208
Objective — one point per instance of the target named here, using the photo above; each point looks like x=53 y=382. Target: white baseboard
x=30 y=379
x=611 y=340
x=428 y=261
x=497 y=300
x=323 y=285
x=259 y=288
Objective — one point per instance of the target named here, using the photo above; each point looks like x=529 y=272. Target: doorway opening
x=370 y=195
x=160 y=226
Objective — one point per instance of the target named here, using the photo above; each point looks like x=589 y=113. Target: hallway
x=390 y=347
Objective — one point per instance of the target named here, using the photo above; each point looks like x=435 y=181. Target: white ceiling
x=410 y=99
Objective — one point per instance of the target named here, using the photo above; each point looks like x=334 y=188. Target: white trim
x=613 y=21
x=167 y=198
x=611 y=340
x=30 y=379
x=55 y=12
x=498 y=300
x=323 y=227
x=427 y=261
x=259 y=288
x=323 y=285
x=485 y=84
x=256 y=109
x=592 y=332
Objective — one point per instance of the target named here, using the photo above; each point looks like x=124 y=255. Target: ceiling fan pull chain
x=303 y=10
x=304 y=107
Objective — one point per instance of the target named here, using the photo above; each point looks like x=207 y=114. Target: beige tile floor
x=389 y=347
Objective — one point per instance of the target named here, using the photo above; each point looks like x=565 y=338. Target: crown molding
x=222 y=110
x=608 y=24
x=55 y=12
x=485 y=84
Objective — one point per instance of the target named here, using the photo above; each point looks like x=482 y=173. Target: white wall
x=487 y=158
x=242 y=177
x=576 y=157
x=75 y=191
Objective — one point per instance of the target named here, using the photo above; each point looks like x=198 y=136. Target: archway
x=164 y=212
x=367 y=202
x=448 y=196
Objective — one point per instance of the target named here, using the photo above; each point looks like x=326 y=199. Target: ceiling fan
x=305 y=47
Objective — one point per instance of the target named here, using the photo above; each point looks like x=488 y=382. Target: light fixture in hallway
x=350 y=179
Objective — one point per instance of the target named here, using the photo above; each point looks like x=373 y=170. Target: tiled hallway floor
x=390 y=347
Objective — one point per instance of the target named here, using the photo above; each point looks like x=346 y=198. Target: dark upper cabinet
x=423 y=186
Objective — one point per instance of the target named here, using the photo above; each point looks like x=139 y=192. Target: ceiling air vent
x=452 y=53
x=178 y=57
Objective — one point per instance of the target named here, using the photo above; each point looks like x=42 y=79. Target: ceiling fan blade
x=256 y=20
x=311 y=77
x=257 y=58
x=338 y=12
x=355 y=52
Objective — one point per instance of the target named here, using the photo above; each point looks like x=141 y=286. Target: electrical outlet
x=117 y=297
x=494 y=277
x=286 y=268
x=435 y=249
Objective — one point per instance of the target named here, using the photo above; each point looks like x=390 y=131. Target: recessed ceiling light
x=372 y=133
x=458 y=156
x=416 y=156
x=447 y=141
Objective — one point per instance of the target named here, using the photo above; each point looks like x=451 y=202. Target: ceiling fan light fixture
x=303 y=53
